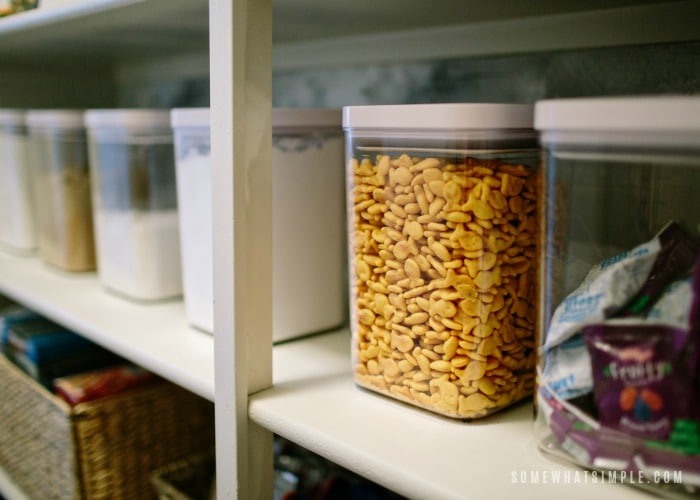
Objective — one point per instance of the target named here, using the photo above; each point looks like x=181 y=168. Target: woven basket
x=106 y=448
x=191 y=478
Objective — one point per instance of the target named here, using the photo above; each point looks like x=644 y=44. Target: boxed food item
x=443 y=240
x=17 y=223
x=135 y=202
x=618 y=369
x=308 y=255
x=61 y=179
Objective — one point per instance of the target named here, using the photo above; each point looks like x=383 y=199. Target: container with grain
x=443 y=238
x=61 y=181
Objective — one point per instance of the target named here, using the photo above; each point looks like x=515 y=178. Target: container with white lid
x=308 y=256
x=61 y=180
x=135 y=202
x=618 y=377
x=443 y=231
x=17 y=224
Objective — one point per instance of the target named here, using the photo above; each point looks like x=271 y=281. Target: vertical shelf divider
x=240 y=38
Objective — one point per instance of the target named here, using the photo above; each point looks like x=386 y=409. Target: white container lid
x=12 y=117
x=190 y=117
x=128 y=119
x=283 y=119
x=444 y=116
x=305 y=118
x=645 y=120
x=55 y=119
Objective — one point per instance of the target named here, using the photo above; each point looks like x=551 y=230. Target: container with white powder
x=135 y=202
x=308 y=219
x=17 y=223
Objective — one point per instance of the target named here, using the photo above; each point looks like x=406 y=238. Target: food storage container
x=618 y=365
x=308 y=235
x=135 y=202
x=194 y=193
x=61 y=179
x=442 y=216
x=17 y=223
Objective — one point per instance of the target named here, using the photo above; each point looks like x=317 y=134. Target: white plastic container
x=194 y=180
x=308 y=258
x=17 y=223
x=61 y=180
x=135 y=202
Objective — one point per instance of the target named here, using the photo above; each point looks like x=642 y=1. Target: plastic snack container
x=17 y=224
x=309 y=236
x=618 y=358
x=61 y=179
x=135 y=200
x=443 y=237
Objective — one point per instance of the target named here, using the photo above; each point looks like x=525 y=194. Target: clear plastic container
x=308 y=256
x=135 y=202
x=442 y=204
x=17 y=224
x=618 y=365
x=61 y=179
x=194 y=192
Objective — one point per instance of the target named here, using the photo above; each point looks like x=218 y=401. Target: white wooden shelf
x=315 y=403
x=113 y=29
x=155 y=336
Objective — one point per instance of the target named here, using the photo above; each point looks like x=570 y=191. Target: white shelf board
x=105 y=29
x=478 y=29
x=416 y=453
x=153 y=335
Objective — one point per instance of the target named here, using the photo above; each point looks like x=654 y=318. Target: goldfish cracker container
x=17 y=224
x=135 y=202
x=61 y=180
x=443 y=238
x=618 y=359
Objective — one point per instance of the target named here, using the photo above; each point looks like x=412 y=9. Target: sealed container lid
x=12 y=117
x=55 y=119
x=642 y=121
x=189 y=117
x=300 y=119
x=444 y=116
x=129 y=119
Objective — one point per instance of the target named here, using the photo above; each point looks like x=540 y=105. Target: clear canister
x=17 y=224
x=135 y=202
x=443 y=239
x=308 y=219
x=618 y=364
x=61 y=179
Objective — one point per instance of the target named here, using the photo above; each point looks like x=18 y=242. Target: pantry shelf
x=112 y=28
x=155 y=336
x=315 y=403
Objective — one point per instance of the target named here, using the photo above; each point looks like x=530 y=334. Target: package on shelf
x=17 y=224
x=308 y=256
x=135 y=202
x=45 y=350
x=443 y=236
x=619 y=367
x=61 y=180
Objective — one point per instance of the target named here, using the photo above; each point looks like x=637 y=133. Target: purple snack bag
x=643 y=376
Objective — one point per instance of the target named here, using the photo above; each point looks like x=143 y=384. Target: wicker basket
x=106 y=448
x=192 y=478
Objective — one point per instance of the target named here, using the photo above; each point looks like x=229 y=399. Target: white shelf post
x=241 y=96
